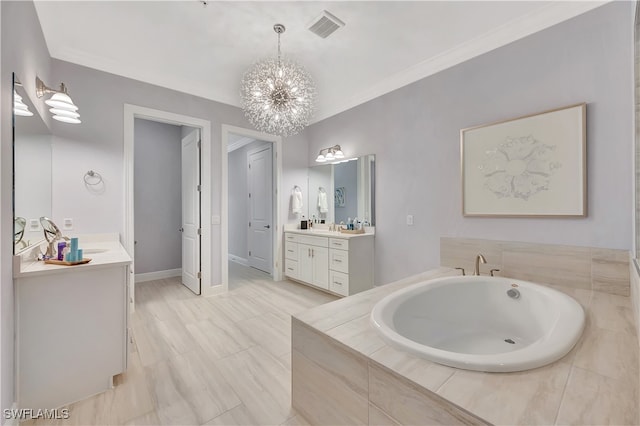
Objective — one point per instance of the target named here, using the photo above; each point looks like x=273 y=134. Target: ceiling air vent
x=325 y=25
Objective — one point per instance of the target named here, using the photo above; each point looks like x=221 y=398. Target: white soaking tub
x=491 y=324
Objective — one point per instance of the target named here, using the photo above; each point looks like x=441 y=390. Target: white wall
x=414 y=132
x=157 y=196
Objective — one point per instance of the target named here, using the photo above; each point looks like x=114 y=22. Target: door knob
x=267 y=226
x=181 y=229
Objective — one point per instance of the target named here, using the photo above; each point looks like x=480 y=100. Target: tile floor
x=222 y=360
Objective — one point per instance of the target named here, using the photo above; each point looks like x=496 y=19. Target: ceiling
x=204 y=51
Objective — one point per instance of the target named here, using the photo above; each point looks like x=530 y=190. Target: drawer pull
x=290 y=251
x=338 y=283
x=337 y=260
x=291 y=269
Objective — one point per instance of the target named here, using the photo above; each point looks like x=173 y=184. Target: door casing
x=278 y=234
x=131 y=112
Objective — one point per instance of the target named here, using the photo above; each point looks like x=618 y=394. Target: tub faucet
x=479 y=258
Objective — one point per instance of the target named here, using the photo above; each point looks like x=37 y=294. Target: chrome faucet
x=479 y=259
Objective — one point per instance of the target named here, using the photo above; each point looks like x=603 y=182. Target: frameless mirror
x=31 y=170
x=343 y=190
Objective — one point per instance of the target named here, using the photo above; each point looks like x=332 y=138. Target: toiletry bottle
x=355 y=223
x=348 y=223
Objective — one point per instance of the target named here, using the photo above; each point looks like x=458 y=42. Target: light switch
x=67 y=224
x=34 y=224
x=410 y=219
x=215 y=219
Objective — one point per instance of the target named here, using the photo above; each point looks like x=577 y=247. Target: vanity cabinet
x=340 y=265
x=71 y=327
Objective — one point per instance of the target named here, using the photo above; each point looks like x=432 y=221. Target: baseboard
x=237 y=259
x=158 y=275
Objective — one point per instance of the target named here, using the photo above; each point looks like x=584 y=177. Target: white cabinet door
x=305 y=263
x=320 y=259
x=313 y=265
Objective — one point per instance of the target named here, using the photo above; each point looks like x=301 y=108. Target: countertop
x=331 y=234
x=114 y=254
x=596 y=383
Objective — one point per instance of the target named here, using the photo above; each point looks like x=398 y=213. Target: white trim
x=224 y=209
x=131 y=112
x=554 y=13
x=158 y=275
x=239 y=144
x=239 y=260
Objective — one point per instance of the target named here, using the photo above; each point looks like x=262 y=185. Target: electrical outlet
x=215 y=219
x=410 y=219
x=67 y=224
x=34 y=224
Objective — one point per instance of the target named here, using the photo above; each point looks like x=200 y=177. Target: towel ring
x=92 y=178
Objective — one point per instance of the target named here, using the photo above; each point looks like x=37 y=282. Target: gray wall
x=158 y=196
x=239 y=200
x=346 y=175
x=26 y=55
x=414 y=132
x=98 y=144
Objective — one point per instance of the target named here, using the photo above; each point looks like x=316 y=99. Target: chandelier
x=278 y=95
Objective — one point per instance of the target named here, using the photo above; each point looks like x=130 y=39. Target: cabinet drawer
x=290 y=237
x=291 y=268
x=339 y=243
x=313 y=241
x=339 y=283
x=339 y=260
x=290 y=250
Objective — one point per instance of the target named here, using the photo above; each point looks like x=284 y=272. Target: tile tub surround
x=599 y=269
x=344 y=373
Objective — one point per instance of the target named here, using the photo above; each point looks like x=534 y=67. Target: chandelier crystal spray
x=278 y=95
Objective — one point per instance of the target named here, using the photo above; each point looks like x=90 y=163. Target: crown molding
x=545 y=17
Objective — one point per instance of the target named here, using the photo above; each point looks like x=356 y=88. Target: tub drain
x=510 y=341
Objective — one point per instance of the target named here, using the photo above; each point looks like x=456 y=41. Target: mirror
x=31 y=172
x=343 y=190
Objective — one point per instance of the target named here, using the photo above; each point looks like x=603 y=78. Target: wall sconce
x=62 y=107
x=330 y=154
x=19 y=107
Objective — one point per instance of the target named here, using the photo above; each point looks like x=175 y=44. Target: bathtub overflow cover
x=510 y=341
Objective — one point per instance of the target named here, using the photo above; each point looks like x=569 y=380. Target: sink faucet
x=479 y=258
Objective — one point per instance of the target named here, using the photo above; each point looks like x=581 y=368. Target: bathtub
x=472 y=323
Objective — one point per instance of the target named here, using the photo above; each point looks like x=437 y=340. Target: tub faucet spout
x=479 y=258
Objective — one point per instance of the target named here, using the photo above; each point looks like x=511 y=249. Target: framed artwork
x=532 y=166
x=340 y=197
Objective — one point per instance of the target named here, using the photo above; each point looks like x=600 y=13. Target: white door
x=191 y=211
x=260 y=183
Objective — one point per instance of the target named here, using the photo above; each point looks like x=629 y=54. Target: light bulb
x=320 y=158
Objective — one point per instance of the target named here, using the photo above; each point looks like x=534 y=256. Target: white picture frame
x=530 y=166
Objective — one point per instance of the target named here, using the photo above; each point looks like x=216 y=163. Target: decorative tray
x=355 y=231
x=65 y=263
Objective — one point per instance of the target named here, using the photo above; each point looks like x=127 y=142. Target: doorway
x=251 y=202
x=251 y=225
x=196 y=145
x=167 y=202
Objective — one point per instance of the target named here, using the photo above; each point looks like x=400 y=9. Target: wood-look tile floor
x=221 y=360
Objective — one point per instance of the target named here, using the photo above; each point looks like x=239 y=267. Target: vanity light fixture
x=330 y=154
x=62 y=107
x=19 y=107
